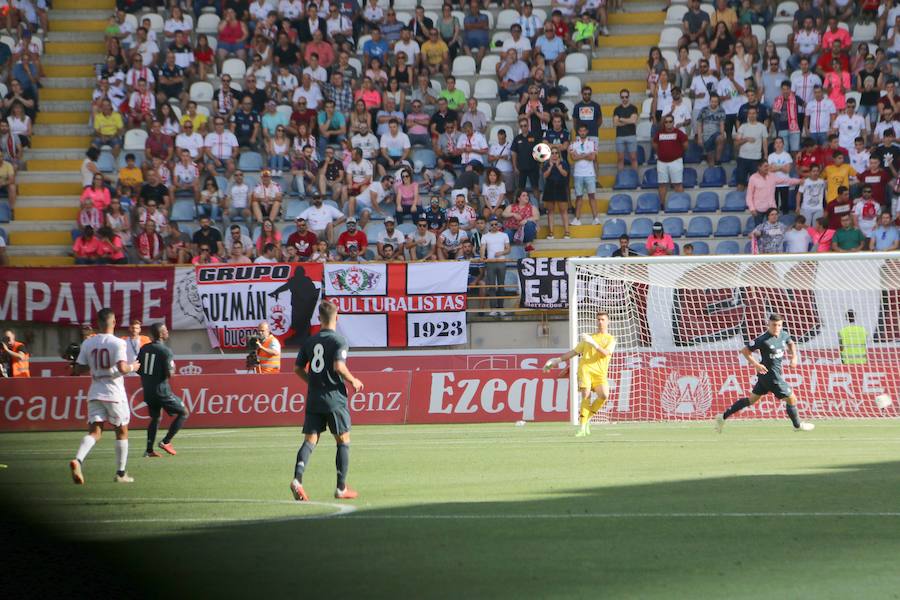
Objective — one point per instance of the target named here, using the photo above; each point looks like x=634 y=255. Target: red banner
x=72 y=295
x=42 y=404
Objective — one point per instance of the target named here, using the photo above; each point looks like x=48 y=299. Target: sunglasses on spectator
x=204 y=249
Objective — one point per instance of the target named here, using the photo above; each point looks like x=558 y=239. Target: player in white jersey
x=104 y=355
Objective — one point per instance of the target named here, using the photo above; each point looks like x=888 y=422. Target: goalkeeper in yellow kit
x=595 y=351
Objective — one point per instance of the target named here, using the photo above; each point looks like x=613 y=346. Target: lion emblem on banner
x=354 y=280
x=278 y=320
x=686 y=395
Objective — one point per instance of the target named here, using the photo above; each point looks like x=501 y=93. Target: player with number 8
x=322 y=364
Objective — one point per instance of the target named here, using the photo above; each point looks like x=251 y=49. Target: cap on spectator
x=271 y=103
x=266 y=173
x=351 y=220
x=389 y=219
x=493 y=219
x=299 y=218
x=657 y=226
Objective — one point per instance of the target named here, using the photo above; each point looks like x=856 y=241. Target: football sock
x=303 y=455
x=121 y=455
x=791 y=410
x=174 y=427
x=585 y=410
x=597 y=405
x=342 y=462
x=151 y=433
x=741 y=404
x=87 y=442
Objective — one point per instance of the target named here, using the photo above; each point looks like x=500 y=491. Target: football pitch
x=470 y=511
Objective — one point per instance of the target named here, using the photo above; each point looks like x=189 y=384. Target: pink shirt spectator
x=660 y=246
x=86 y=248
x=100 y=198
x=842 y=35
x=834 y=81
x=761 y=190
x=821 y=240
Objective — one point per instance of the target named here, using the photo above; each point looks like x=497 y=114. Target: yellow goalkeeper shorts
x=590 y=378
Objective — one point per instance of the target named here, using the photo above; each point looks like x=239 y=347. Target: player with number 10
x=322 y=364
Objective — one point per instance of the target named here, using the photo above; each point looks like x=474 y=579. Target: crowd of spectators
x=325 y=117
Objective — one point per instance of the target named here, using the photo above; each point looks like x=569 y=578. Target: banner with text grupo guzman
x=544 y=283
x=399 y=304
x=234 y=299
x=72 y=295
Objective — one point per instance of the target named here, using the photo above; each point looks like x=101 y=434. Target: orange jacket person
x=268 y=352
x=18 y=355
x=134 y=341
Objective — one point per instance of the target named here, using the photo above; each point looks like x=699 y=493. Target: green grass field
x=478 y=511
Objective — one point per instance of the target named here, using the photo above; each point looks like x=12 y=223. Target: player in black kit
x=322 y=363
x=773 y=345
x=157 y=366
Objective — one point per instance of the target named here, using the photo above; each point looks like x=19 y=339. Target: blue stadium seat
x=713 y=177
x=4 y=235
x=678 y=202
x=626 y=179
x=694 y=153
x=647 y=204
x=707 y=202
x=735 y=201
x=250 y=161
x=639 y=248
x=106 y=163
x=690 y=178
x=605 y=250
x=613 y=228
x=699 y=227
x=732 y=179
x=749 y=225
x=674 y=226
x=407 y=228
x=287 y=230
x=620 y=204
x=373 y=229
x=650 y=179
x=74 y=233
x=700 y=248
x=727 y=154
x=5 y=212
x=641 y=157
x=183 y=210
x=641 y=228
x=788 y=219
x=748 y=248
x=294 y=208
x=729 y=226
x=425 y=157
x=728 y=247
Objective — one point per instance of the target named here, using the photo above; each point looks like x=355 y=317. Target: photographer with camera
x=14 y=362
x=70 y=354
x=264 y=351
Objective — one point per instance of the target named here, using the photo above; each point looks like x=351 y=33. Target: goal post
x=681 y=321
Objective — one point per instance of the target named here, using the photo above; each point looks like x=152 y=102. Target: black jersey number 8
x=318 y=359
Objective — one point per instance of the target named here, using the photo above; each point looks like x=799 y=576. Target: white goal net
x=680 y=323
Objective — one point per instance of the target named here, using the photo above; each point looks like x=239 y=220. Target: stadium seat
x=156 y=21
x=506 y=111
x=748 y=248
x=699 y=227
x=620 y=204
x=605 y=250
x=728 y=247
x=463 y=86
x=626 y=179
x=760 y=32
x=690 y=178
x=788 y=219
x=785 y=12
x=641 y=157
x=713 y=177
x=5 y=212
x=506 y=18
x=360 y=43
x=250 y=161
x=674 y=226
x=234 y=67
x=641 y=228
x=700 y=248
x=488 y=66
x=4 y=236
x=674 y=14
x=135 y=139
x=648 y=204
x=646 y=105
x=779 y=33
x=855 y=95
x=423 y=157
x=463 y=66
x=201 y=91
x=639 y=249
x=749 y=225
x=570 y=85
x=613 y=229
x=694 y=154
x=707 y=202
x=576 y=63
x=498 y=39
x=486 y=89
x=407 y=228
x=649 y=180
x=864 y=32
x=208 y=24
x=373 y=229
x=294 y=208
x=729 y=226
x=106 y=163
x=183 y=211
x=678 y=202
x=643 y=131
x=669 y=37
x=735 y=201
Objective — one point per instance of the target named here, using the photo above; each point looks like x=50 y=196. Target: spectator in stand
x=869 y=82
x=237 y=235
x=886 y=236
x=771 y=80
x=623 y=250
x=521 y=222
x=391 y=236
x=323 y=218
x=267 y=198
x=237 y=200
x=220 y=148
x=407 y=196
x=731 y=93
x=494 y=248
x=555 y=173
x=835 y=33
x=836 y=84
x=888 y=152
x=8 y=184
x=268 y=235
x=761 y=191
x=119 y=220
x=111 y=250
x=811 y=196
x=836 y=175
x=206 y=257
x=753 y=101
x=97 y=194
x=659 y=243
x=752 y=147
x=232 y=38
x=780 y=164
x=149 y=245
x=803 y=84
x=887 y=122
x=187 y=177
x=302 y=241
x=848 y=238
x=245 y=123
x=90 y=215
x=270 y=251
x=770 y=233
x=178 y=245
x=787 y=110
x=86 y=248
x=371 y=199
x=695 y=25
x=423 y=242
x=797 y=239
x=436 y=55
x=450 y=240
x=10 y=146
x=553 y=49
x=821 y=235
x=710 y=130
x=819 y=116
x=841 y=206
x=583 y=153
x=806 y=42
x=350 y=238
x=108 y=127
x=669 y=144
x=208 y=236
x=877 y=179
x=825 y=64
x=476 y=32
x=865 y=212
x=513 y=75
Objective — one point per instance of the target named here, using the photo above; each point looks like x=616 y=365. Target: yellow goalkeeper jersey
x=592 y=361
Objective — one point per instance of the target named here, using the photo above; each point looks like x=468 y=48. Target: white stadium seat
x=486 y=89
x=156 y=21
x=760 y=32
x=463 y=86
x=486 y=109
x=506 y=18
x=864 y=32
x=645 y=108
x=643 y=131
x=202 y=91
x=572 y=85
x=670 y=56
x=234 y=67
x=489 y=65
x=463 y=66
x=785 y=12
x=576 y=63
x=135 y=139
x=675 y=13
x=405 y=5
x=498 y=39
x=208 y=24
x=506 y=111
x=669 y=37
x=779 y=33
